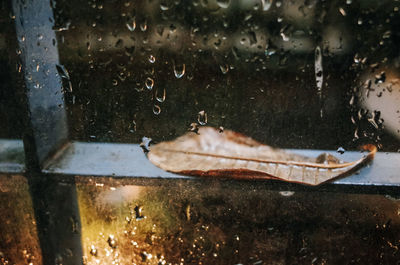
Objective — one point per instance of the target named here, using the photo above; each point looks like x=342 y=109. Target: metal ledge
x=128 y=160
x=12 y=156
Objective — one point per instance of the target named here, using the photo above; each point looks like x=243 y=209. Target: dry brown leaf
x=233 y=155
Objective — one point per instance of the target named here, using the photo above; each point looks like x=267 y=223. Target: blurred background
x=293 y=74
x=296 y=74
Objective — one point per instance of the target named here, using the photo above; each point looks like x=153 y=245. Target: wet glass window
x=214 y=223
x=297 y=74
x=11 y=79
x=19 y=242
x=95 y=87
x=11 y=84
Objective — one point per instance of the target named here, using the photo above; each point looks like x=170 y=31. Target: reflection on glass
x=227 y=223
x=11 y=80
x=19 y=242
x=290 y=74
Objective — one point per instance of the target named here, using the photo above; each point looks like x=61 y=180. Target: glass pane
x=19 y=242
x=187 y=222
x=11 y=80
x=11 y=83
x=296 y=74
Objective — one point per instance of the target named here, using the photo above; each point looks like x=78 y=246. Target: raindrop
x=179 y=70
x=65 y=79
x=138 y=213
x=112 y=242
x=286 y=193
x=266 y=4
x=156 y=109
x=342 y=11
x=319 y=77
x=131 y=25
x=145 y=144
x=149 y=83
x=115 y=82
x=143 y=25
x=194 y=127
x=93 y=250
x=341 y=150
x=270 y=49
x=224 y=68
x=223 y=3
x=160 y=98
x=202 y=117
x=145 y=256
x=284 y=37
x=133 y=126
x=221 y=129
x=119 y=44
x=164 y=6
x=380 y=78
x=152 y=59
x=62 y=71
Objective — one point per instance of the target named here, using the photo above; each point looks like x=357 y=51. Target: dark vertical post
x=39 y=56
x=55 y=203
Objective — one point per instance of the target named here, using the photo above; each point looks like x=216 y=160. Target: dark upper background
x=269 y=91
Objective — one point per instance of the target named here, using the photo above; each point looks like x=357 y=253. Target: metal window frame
x=50 y=157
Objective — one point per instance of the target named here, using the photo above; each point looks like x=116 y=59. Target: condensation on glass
x=11 y=79
x=298 y=74
x=19 y=243
x=226 y=223
x=293 y=74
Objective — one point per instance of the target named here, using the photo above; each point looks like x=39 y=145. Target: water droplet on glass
x=380 y=78
x=133 y=126
x=179 y=70
x=284 y=37
x=115 y=82
x=286 y=193
x=202 y=117
x=145 y=144
x=143 y=25
x=224 y=68
x=149 y=83
x=221 y=129
x=270 y=49
x=156 y=109
x=93 y=250
x=319 y=77
x=65 y=79
x=266 y=4
x=131 y=24
x=160 y=98
x=138 y=213
x=342 y=11
x=152 y=59
x=112 y=242
x=194 y=127
x=164 y=6
x=223 y=3
x=341 y=150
